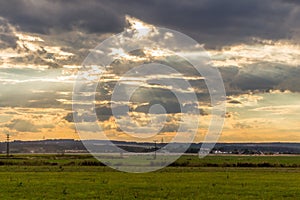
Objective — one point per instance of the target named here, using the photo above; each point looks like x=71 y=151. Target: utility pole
x=7 y=144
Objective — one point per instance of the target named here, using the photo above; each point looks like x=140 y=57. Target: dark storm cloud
x=213 y=22
x=220 y=22
x=7 y=38
x=45 y=16
x=291 y=1
x=260 y=77
x=234 y=102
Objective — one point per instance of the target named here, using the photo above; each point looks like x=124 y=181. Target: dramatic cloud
x=254 y=44
x=260 y=51
x=261 y=77
x=211 y=21
x=46 y=16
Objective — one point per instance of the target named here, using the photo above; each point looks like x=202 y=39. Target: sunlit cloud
x=258 y=51
x=40 y=71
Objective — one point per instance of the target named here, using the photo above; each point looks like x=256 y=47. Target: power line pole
x=7 y=145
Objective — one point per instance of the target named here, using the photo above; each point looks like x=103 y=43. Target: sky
x=254 y=44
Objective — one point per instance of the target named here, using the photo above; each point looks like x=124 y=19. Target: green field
x=214 y=177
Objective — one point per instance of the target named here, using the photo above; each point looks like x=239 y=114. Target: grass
x=184 y=161
x=41 y=179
